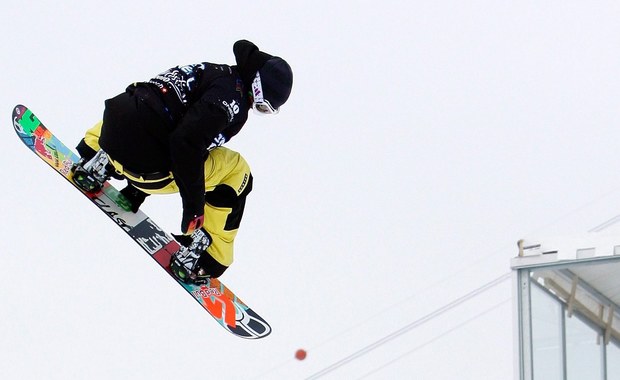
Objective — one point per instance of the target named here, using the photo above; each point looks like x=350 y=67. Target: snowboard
x=219 y=301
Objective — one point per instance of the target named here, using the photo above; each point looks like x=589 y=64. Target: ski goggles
x=260 y=104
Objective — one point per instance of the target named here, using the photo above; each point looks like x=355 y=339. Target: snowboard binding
x=90 y=175
x=184 y=263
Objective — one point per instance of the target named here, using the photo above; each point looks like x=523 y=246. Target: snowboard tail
x=219 y=301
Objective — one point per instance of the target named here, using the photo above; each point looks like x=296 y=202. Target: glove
x=184 y=240
x=191 y=222
x=134 y=196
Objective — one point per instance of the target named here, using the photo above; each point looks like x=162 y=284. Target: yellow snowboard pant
x=228 y=181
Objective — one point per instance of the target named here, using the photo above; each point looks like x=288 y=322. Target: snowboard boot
x=184 y=263
x=90 y=175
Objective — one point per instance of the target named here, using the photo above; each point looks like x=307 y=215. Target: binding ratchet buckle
x=91 y=175
x=184 y=263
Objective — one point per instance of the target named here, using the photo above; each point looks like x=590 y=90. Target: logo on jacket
x=219 y=140
x=231 y=108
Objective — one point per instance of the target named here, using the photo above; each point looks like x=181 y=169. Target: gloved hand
x=134 y=196
x=191 y=222
x=184 y=240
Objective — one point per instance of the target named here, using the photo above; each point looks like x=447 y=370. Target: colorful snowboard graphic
x=215 y=297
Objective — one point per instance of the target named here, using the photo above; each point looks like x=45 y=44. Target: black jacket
x=170 y=123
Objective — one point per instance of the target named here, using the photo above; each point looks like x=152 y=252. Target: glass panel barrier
x=584 y=351
x=546 y=335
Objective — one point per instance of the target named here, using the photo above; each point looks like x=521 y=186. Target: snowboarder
x=165 y=135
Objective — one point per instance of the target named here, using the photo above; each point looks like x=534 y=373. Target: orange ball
x=300 y=354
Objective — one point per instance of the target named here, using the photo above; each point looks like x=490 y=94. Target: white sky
x=421 y=141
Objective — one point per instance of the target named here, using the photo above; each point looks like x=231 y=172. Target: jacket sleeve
x=188 y=150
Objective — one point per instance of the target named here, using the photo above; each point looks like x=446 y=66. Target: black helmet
x=275 y=74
